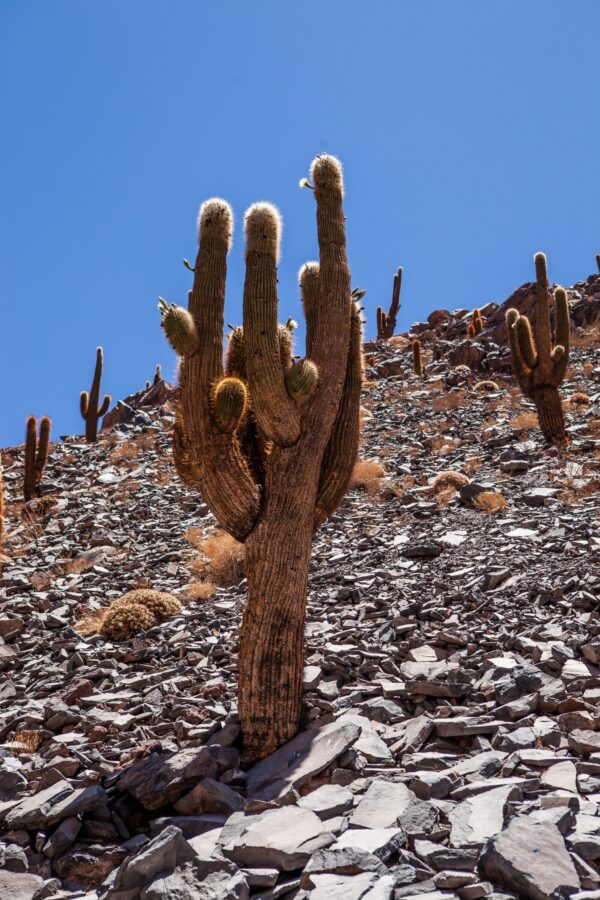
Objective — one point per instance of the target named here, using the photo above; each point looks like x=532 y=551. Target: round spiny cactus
x=230 y=403
x=162 y=605
x=179 y=328
x=122 y=622
x=301 y=380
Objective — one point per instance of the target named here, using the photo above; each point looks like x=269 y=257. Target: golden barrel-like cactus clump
x=163 y=606
x=122 y=622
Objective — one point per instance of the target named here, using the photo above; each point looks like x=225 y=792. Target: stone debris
x=451 y=739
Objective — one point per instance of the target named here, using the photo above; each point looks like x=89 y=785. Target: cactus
x=598 y=261
x=475 y=326
x=417 y=358
x=88 y=405
x=157 y=375
x=540 y=369
x=270 y=443
x=386 y=322
x=36 y=454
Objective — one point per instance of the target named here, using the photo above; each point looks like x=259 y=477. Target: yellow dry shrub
x=222 y=559
x=490 y=502
x=124 y=621
x=162 y=605
x=486 y=387
x=449 y=479
x=200 y=590
x=367 y=474
x=580 y=398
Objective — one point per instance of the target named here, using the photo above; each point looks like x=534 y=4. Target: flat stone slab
x=381 y=842
x=478 y=818
x=530 y=859
x=20 y=886
x=300 y=760
x=283 y=839
x=382 y=804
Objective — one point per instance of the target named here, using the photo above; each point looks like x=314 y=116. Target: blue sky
x=469 y=132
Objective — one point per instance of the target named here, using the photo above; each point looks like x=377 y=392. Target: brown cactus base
x=550 y=414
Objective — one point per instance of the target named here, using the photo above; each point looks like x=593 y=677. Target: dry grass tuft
x=450 y=401
x=27 y=741
x=222 y=557
x=442 y=446
x=580 y=398
x=473 y=465
x=200 y=590
x=490 y=502
x=130 y=449
x=368 y=475
x=486 y=387
x=524 y=421
x=449 y=480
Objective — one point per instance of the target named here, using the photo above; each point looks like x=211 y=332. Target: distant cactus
x=538 y=367
x=475 y=326
x=88 y=405
x=417 y=357
x=269 y=442
x=386 y=322
x=36 y=454
x=157 y=375
x=598 y=261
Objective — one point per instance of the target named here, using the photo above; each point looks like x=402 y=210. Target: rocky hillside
x=451 y=744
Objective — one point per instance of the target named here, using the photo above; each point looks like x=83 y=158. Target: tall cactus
x=270 y=443
x=386 y=322
x=36 y=454
x=598 y=261
x=538 y=367
x=88 y=405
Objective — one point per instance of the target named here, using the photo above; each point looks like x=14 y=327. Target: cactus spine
x=539 y=368
x=88 y=405
x=36 y=454
x=270 y=443
x=417 y=357
x=386 y=322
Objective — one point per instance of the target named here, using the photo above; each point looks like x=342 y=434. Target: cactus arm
x=276 y=415
x=105 y=406
x=230 y=402
x=212 y=460
x=543 y=335
x=301 y=380
x=342 y=449
x=308 y=278
x=42 y=450
x=331 y=338
x=95 y=389
x=560 y=360
x=30 y=449
x=526 y=343
x=522 y=375
x=83 y=404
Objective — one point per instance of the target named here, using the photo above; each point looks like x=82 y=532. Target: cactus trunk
x=271 y=655
x=550 y=414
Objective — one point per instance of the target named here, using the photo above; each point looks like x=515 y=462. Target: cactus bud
x=179 y=328
x=301 y=380
x=229 y=403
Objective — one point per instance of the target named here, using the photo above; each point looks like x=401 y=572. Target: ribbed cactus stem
x=308 y=278
x=88 y=404
x=179 y=328
x=30 y=451
x=157 y=375
x=417 y=357
x=43 y=446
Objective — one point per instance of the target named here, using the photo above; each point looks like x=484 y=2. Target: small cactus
x=163 y=606
x=538 y=367
x=386 y=322
x=88 y=404
x=122 y=622
x=36 y=454
x=475 y=326
x=417 y=357
x=598 y=261
x=157 y=375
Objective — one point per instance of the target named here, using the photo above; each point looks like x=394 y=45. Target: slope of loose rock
x=452 y=680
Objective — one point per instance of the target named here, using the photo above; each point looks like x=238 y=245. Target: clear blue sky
x=469 y=131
